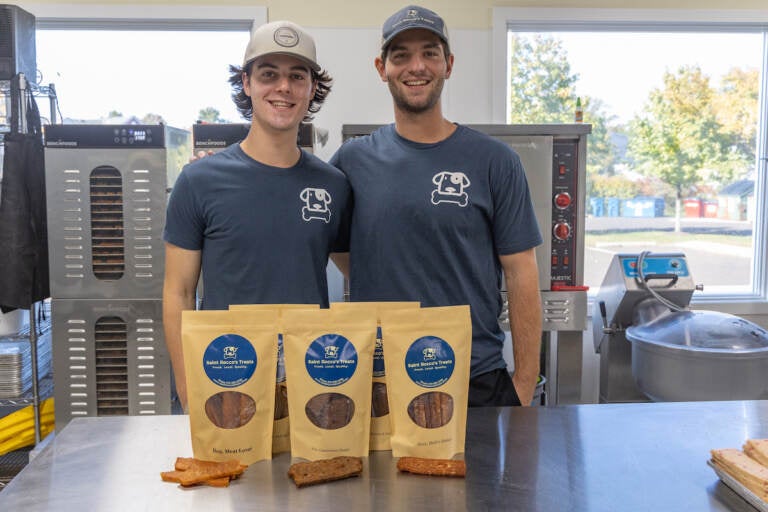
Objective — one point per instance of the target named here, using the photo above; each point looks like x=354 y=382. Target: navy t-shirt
x=265 y=232
x=430 y=221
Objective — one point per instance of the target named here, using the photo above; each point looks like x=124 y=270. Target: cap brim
x=314 y=66
x=439 y=34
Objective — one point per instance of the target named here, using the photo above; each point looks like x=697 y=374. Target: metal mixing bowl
x=699 y=355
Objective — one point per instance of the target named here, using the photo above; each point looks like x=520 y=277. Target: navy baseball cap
x=411 y=17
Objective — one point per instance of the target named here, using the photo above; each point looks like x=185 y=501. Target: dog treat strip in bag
x=427 y=352
x=281 y=440
x=230 y=359
x=328 y=362
x=380 y=424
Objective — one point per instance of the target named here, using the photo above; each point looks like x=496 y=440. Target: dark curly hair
x=243 y=101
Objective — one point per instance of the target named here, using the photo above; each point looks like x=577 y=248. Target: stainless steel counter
x=608 y=457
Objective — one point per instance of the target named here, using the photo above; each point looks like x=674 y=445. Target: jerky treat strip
x=330 y=410
x=434 y=467
x=431 y=410
x=325 y=470
x=379 y=404
x=190 y=472
x=230 y=409
x=281 y=401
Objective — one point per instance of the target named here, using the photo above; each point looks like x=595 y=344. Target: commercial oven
x=554 y=158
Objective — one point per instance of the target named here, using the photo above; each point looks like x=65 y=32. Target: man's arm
x=182 y=270
x=341 y=260
x=522 y=280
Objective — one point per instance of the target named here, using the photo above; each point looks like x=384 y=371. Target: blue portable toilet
x=597 y=206
x=612 y=206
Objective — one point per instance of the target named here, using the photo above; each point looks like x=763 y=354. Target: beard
x=406 y=104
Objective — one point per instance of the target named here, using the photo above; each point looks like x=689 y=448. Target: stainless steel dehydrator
x=107 y=189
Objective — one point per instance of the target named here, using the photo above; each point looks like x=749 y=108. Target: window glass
x=147 y=75
x=672 y=160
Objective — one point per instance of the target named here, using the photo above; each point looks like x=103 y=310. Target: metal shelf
x=45 y=389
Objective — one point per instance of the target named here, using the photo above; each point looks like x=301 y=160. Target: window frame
x=650 y=20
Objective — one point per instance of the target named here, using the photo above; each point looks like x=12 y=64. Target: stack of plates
x=16 y=362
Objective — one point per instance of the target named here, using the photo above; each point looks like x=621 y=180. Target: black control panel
x=98 y=136
x=565 y=162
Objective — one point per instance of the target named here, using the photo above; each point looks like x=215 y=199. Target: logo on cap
x=413 y=13
x=286 y=37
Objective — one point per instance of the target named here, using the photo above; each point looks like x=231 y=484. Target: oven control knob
x=561 y=231
x=563 y=200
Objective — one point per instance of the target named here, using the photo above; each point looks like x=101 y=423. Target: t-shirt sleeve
x=515 y=228
x=184 y=226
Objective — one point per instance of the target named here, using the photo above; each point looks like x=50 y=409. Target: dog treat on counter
x=433 y=467
x=325 y=470
x=190 y=472
x=330 y=410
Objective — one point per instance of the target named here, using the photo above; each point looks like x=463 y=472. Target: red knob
x=563 y=200
x=561 y=231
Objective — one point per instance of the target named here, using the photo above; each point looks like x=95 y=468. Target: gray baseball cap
x=283 y=38
x=411 y=17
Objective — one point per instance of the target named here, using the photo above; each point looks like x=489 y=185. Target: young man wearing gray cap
x=441 y=210
x=261 y=217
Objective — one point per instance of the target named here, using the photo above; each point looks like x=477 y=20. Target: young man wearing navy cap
x=261 y=217
x=440 y=210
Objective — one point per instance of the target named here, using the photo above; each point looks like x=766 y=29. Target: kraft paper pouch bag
x=230 y=359
x=427 y=354
x=329 y=362
x=380 y=423
x=281 y=440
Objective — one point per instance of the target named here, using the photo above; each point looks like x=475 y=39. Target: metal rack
x=14 y=109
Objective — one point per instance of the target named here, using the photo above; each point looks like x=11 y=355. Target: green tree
x=678 y=135
x=736 y=108
x=542 y=90
x=541 y=82
x=209 y=115
x=152 y=119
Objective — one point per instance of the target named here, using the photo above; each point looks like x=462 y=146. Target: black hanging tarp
x=23 y=226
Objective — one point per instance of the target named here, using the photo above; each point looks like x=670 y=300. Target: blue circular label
x=229 y=360
x=331 y=360
x=378 y=356
x=429 y=362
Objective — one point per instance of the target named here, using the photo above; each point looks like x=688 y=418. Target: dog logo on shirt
x=316 y=201
x=450 y=188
